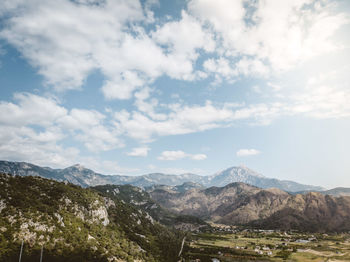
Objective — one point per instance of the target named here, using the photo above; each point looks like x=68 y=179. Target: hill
x=142 y=200
x=72 y=223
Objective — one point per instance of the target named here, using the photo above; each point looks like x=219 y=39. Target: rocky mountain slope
x=178 y=188
x=84 y=177
x=72 y=224
x=142 y=200
x=242 y=204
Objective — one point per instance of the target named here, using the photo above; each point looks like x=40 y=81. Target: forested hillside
x=72 y=223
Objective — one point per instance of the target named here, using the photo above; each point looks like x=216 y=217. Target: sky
x=134 y=87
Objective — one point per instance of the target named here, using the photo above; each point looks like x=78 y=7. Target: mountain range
x=84 y=177
x=243 y=204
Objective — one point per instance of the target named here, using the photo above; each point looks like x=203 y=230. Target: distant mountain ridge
x=84 y=177
x=338 y=191
x=243 y=204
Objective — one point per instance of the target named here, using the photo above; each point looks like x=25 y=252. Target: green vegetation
x=76 y=224
x=259 y=245
x=142 y=200
x=115 y=223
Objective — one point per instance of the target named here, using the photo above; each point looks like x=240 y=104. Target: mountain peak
x=80 y=175
x=241 y=170
x=77 y=166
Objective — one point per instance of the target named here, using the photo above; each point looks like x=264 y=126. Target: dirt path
x=182 y=246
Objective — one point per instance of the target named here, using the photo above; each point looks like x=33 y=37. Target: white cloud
x=180 y=119
x=177 y=171
x=89 y=127
x=30 y=110
x=63 y=39
x=172 y=155
x=255 y=37
x=198 y=157
x=325 y=96
x=27 y=144
x=189 y=36
x=113 y=168
x=67 y=41
x=34 y=128
x=247 y=152
x=230 y=71
x=139 y=151
x=178 y=154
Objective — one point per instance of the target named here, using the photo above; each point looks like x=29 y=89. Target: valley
x=226 y=245
x=174 y=131
x=157 y=222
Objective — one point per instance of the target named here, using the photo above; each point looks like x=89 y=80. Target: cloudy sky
x=132 y=87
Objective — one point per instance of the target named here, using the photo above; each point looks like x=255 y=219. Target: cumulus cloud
x=178 y=154
x=30 y=109
x=89 y=127
x=139 y=151
x=256 y=37
x=247 y=152
x=67 y=41
x=185 y=119
x=123 y=40
x=34 y=128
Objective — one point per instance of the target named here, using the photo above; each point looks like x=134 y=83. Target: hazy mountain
x=338 y=191
x=75 y=224
x=84 y=177
x=179 y=188
x=248 y=176
x=242 y=204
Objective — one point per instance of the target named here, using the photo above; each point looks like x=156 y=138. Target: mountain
x=243 y=204
x=178 y=188
x=142 y=200
x=338 y=191
x=248 y=176
x=72 y=223
x=84 y=177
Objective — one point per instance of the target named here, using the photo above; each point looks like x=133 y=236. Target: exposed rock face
x=98 y=212
x=240 y=203
x=84 y=177
x=2 y=205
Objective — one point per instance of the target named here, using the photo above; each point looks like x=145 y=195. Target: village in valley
x=228 y=243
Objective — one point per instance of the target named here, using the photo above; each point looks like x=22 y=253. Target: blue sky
x=129 y=87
